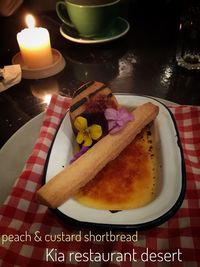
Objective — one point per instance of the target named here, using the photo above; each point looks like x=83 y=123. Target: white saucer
x=120 y=28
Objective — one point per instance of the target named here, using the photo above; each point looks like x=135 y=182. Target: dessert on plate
x=115 y=166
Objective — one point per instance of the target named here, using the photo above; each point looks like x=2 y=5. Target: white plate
x=22 y=143
x=15 y=152
x=120 y=28
x=172 y=175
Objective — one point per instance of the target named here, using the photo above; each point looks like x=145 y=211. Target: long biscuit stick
x=66 y=183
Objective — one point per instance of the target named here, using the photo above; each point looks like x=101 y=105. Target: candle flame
x=47 y=99
x=30 y=21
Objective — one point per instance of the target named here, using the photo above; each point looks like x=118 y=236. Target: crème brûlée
x=129 y=181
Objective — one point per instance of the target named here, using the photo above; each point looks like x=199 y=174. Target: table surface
x=141 y=62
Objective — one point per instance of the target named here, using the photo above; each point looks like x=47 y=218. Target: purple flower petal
x=111 y=114
x=111 y=125
x=115 y=129
x=124 y=115
x=79 y=153
x=120 y=122
x=117 y=119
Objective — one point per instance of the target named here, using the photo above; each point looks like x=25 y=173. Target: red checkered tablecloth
x=21 y=217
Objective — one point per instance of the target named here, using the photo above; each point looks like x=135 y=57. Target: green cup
x=88 y=19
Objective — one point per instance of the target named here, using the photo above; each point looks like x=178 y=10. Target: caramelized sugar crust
x=127 y=182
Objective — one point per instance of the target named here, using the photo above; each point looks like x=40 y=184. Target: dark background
x=142 y=62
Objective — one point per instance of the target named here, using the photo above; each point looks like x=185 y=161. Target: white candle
x=35 y=46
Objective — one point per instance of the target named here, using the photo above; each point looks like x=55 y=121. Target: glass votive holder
x=188 y=46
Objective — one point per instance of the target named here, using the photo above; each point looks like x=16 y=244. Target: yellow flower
x=86 y=134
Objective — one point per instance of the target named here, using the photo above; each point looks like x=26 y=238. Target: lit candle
x=34 y=44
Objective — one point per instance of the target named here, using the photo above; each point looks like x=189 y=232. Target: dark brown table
x=142 y=62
